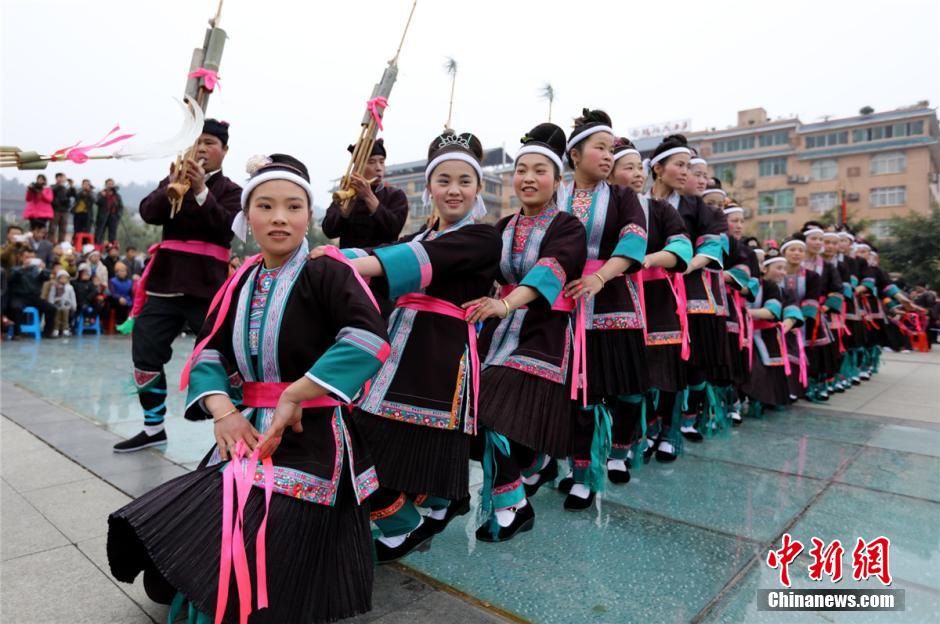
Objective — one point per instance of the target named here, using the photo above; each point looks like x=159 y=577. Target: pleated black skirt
x=319 y=558
x=415 y=459
x=667 y=371
x=527 y=409
x=767 y=384
x=617 y=363
x=708 y=339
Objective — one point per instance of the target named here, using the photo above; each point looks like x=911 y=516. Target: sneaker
x=141 y=441
x=55 y=333
x=66 y=333
x=522 y=522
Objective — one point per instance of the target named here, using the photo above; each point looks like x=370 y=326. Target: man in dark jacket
x=185 y=272
x=378 y=213
x=83 y=207
x=110 y=207
x=62 y=195
x=25 y=289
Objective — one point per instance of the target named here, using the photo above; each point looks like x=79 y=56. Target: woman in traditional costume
x=288 y=343
x=528 y=341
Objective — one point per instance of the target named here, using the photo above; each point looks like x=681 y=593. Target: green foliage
x=914 y=250
x=132 y=231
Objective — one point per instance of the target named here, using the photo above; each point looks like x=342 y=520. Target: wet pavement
x=683 y=542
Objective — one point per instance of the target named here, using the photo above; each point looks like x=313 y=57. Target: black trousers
x=159 y=323
x=81 y=222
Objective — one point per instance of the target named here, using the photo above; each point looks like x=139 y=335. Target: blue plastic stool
x=81 y=328
x=33 y=326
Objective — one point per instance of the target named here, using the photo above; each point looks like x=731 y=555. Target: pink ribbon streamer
x=804 y=365
x=237 y=481
x=210 y=78
x=373 y=106
x=425 y=303
x=79 y=154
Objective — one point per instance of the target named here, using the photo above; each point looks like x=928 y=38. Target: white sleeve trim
x=333 y=390
x=202 y=196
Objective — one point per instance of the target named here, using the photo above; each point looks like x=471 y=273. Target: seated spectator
x=16 y=243
x=62 y=296
x=67 y=259
x=40 y=244
x=25 y=286
x=134 y=261
x=87 y=296
x=112 y=256
x=98 y=270
x=53 y=271
x=121 y=293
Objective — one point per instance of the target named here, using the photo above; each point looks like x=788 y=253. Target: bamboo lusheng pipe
x=369 y=125
x=209 y=57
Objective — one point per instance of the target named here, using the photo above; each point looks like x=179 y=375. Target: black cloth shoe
x=692 y=436
x=618 y=476
x=565 y=485
x=456 y=508
x=576 y=503
x=736 y=419
x=546 y=475
x=419 y=539
x=665 y=457
x=524 y=521
x=141 y=441
x=648 y=453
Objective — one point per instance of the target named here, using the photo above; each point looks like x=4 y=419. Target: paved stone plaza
x=684 y=542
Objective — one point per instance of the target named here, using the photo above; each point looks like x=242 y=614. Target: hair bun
x=592 y=116
x=548 y=134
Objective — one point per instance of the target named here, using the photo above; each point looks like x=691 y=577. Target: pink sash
x=266 y=394
x=761 y=324
x=804 y=366
x=425 y=303
x=677 y=286
x=199 y=248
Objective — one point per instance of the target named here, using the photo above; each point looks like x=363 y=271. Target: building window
x=725 y=172
x=824 y=169
x=773 y=202
x=888 y=196
x=822 y=202
x=733 y=145
x=772 y=167
x=827 y=140
x=892 y=131
x=773 y=138
x=889 y=162
x=771 y=230
x=491 y=188
x=880 y=228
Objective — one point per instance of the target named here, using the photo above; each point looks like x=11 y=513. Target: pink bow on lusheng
x=210 y=78
x=79 y=155
x=373 y=105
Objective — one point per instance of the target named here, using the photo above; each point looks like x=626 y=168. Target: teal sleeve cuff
x=854 y=281
x=725 y=244
x=846 y=290
x=740 y=276
x=869 y=283
x=808 y=310
x=834 y=302
x=709 y=245
x=775 y=308
x=353 y=359
x=680 y=246
x=354 y=252
x=207 y=376
x=547 y=277
x=632 y=243
x=891 y=290
x=793 y=312
x=407 y=267
x=753 y=285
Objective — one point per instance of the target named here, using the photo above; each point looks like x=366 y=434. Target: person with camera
x=38 y=203
x=17 y=242
x=110 y=207
x=83 y=206
x=62 y=193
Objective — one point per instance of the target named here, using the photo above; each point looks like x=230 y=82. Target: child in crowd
x=62 y=296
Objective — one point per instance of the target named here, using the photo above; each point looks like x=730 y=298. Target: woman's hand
x=317 y=252
x=487 y=307
x=288 y=413
x=584 y=287
x=230 y=430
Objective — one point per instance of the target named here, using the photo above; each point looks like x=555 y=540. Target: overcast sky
x=296 y=74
